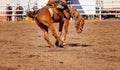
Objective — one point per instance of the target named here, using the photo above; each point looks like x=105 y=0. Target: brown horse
x=9 y=13
x=19 y=13
x=45 y=19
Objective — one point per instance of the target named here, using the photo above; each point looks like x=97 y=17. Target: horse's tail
x=30 y=14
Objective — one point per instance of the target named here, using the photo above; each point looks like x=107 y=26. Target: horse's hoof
x=61 y=46
x=52 y=46
x=57 y=43
x=64 y=43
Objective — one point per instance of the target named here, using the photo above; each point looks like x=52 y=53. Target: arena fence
x=100 y=12
x=3 y=11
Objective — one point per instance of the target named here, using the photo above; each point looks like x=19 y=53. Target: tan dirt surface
x=22 y=47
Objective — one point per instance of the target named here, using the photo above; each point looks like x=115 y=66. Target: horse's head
x=79 y=20
x=79 y=23
x=9 y=10
x=9 y=7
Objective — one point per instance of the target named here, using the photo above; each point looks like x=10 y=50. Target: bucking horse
x=48 y=15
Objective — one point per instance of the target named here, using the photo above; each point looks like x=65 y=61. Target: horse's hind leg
x=46 y=37
x=61 y=28
x=60 y=31
x=7 y=18
x=10 y=18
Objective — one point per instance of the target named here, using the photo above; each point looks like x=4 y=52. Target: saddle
x=59 y=10
x=55 y=11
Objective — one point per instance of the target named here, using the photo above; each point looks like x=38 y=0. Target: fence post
x=100 y=14
x=100 y=10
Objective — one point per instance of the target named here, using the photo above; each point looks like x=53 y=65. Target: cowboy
x=61 y=4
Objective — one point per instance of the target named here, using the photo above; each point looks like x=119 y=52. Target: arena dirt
x=22 y=47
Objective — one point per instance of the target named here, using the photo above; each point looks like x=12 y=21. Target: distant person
x=35 y=8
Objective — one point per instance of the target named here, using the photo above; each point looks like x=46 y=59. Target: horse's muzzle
x=79 y=31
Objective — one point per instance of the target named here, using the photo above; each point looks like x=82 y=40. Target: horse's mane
x=74 y=13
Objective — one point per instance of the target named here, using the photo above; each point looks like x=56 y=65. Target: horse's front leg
x=59 y=42
x=66 y=24
x=60 y=31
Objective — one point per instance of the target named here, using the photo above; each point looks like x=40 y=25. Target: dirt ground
x=22 y=47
